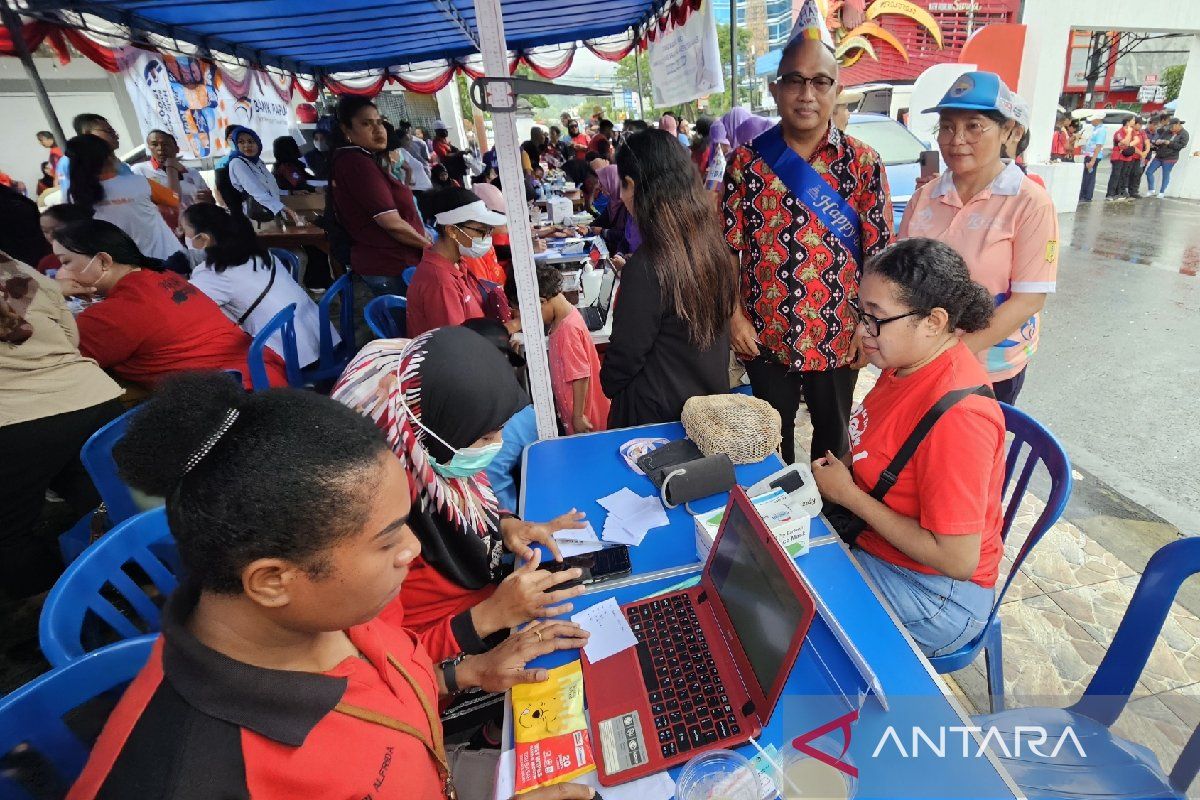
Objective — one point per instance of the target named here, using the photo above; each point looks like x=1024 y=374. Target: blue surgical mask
x=466 y=461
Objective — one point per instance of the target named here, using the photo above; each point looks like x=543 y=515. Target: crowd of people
x=1139 y=148
x=355 y=562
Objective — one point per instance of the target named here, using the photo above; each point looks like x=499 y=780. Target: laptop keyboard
x=687 y=697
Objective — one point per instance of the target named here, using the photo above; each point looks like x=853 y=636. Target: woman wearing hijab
x=668 y=123
x=616 y=217
x=441 y=400
x=752 y=128
x=250 y=176
x=730 y=121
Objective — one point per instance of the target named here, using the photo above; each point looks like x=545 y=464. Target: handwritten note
x=610 y=631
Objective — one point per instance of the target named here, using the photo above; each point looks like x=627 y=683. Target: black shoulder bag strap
x=254 y=305
x=888 y=478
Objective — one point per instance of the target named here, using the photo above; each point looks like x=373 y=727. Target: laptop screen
x=761 y=603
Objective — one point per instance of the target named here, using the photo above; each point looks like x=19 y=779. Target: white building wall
x=1049 y=24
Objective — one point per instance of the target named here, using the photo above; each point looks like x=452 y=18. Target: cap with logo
x=984 y=91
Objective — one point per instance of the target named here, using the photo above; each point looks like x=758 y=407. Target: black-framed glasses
x=795 y=82
x=873 y=323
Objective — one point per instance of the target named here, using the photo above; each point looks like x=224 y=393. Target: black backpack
x=339 y=238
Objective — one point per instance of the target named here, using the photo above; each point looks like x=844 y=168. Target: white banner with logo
x=685 y=61
x=190 y=99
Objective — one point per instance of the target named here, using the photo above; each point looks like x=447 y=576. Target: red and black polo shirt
x=198 y=724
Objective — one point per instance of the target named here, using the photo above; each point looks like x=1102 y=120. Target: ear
x=104 y=261
x=938 y=321
x=269 y=581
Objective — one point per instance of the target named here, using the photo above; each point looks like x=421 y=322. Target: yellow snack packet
x=550 y=730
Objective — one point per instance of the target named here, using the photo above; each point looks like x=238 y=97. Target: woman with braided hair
x=931 y=541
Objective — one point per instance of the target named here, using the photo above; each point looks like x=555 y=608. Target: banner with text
x=685 y=61
x=188 y=98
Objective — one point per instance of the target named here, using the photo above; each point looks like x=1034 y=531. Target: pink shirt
x=573 y=357
x=1008 y=235
x=441 y=293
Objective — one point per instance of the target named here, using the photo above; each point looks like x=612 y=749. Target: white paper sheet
x=631 y=516
x=610 y=631
x=624 y=503
x=578 y=541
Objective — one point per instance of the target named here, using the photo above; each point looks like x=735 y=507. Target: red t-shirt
x=427 y=605
x=361 y=192
x=154 y=324
x=441 y=294
x=952 y=485
x=573 y=357
x=1126 y=138
x=340 y=756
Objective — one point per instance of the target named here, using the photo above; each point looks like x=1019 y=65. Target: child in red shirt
x=933 y=543
x=574 y=364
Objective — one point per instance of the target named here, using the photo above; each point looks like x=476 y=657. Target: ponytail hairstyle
x=233 y=239
x=88 y=155
x=199 y=442
x=929 y=274
x=681 y=235
x=91 y=236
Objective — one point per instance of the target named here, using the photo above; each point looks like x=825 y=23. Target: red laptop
x=711 y=661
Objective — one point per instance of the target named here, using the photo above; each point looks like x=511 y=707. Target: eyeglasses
x=795 y=82
x=873 y=323
x=971 y=133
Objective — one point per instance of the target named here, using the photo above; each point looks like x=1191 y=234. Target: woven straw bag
x=744 y=428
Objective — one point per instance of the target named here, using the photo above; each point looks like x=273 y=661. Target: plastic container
x=717 y=775
x=813 y=779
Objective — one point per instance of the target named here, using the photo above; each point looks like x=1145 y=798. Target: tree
x=1172 y=80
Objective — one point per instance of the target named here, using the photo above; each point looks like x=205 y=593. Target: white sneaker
x=1162 y=194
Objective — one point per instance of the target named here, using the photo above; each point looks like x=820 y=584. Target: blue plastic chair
x=97 y=459
x=283 y=323
x=386 y=316
x=1110 y=767
x=289 y=260
x=1040 y=447
x=407 y=275
x=32 y=716
x=79 y=613
x=333 y=360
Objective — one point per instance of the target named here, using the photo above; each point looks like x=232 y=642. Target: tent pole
x=490 y=24
x=12 y=21
x=733 y=54
x=637 y=65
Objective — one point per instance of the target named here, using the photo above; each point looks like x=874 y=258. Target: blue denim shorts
x=940 y=613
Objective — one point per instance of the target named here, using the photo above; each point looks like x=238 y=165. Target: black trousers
x=1133 y=179
x=1118 y=179
x=38 y=455
x=828 y=395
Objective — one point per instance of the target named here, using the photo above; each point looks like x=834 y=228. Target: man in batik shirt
x=799 y=264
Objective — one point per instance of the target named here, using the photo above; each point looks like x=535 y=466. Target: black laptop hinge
x=748 y=709
x=703 y=596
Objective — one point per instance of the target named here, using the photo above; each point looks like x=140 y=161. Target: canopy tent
x=357 y=45
x=385 y=38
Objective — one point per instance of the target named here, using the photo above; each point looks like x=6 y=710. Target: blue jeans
x=1155 y=165
x=1088 y=186
x=940 y=613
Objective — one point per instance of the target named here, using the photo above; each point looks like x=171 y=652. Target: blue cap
x=984 y=91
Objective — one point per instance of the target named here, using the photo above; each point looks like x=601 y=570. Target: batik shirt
x=797 y=278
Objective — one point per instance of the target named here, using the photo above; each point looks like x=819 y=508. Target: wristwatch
x=449 y=674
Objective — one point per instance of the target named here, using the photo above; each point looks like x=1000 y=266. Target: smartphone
x=930 y=163
x=600 y=566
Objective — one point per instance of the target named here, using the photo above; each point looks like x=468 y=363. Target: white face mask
x=190 y=243
x=479 y=246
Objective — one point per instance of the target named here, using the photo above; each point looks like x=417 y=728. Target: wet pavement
x=1118 y=370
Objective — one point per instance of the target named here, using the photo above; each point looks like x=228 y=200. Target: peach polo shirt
x=1008 y=235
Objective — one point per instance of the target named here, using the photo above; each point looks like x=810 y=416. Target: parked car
x=900 y=151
